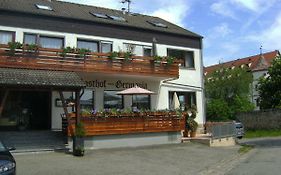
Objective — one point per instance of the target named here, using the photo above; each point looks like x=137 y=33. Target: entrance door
x=27 y=110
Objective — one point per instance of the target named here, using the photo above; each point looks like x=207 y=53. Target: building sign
x=119 y=84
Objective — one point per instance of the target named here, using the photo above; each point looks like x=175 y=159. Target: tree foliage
x=227 y=91
x=270 y=87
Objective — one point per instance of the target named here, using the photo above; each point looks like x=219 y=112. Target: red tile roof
x=252 y=62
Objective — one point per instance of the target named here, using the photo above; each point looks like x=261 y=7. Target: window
x=106 y=47
x=44 y=41
x=117 y=18
x=186 y=56
x=99 y=15
x=43 y=7
x=147 y=52
x=30 y=39
x=157 y=24
x=112 y=100
x=138 y=50
x=6 y=37
x=186 y=99
x=51 y=42
x=87 y=100
x=141 y=101
x=91 y=45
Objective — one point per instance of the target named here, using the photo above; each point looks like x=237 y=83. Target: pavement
x=173 y=159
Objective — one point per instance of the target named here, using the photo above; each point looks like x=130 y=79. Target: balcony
x=92 y=62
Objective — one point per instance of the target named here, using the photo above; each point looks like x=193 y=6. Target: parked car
x=7 y=161
x=239 y=130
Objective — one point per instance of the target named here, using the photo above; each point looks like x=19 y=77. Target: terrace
x=92 y=62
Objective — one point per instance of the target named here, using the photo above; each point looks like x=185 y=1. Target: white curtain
x=6 y=37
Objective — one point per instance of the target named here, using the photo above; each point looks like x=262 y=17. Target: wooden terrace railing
x=131 y=123
x=52 y=59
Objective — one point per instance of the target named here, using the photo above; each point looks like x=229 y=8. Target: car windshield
x=2 y=147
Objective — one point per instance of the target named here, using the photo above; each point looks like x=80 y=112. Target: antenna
x=129 y=4
x=261 y=50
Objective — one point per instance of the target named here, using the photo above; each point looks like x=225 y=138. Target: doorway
x=26 y=110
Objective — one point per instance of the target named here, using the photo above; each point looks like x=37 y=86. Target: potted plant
x=191 y=124
x=78 y=139
x=13 y=46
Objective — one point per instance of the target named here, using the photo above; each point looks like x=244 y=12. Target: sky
x=231 y=29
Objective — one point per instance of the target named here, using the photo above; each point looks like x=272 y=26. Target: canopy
x=135 y=91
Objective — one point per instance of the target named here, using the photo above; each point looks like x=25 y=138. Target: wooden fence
x=129 y=124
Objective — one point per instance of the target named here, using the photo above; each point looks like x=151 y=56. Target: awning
x=40 y=78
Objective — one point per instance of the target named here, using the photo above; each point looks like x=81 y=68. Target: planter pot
x=185 y=133
x=193 y=134
x=78 y=146
x=78 y=152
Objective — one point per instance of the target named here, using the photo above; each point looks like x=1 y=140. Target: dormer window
x=99 y=15
x=158 y=24
x=117 y=18
x=44 y=7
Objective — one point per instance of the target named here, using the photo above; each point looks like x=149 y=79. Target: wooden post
x=77 y=106
x=63 y=104
x=3 y=102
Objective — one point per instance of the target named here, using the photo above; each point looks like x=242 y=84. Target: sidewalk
x=184 y=158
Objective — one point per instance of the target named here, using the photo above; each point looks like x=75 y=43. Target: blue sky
x=231 y=28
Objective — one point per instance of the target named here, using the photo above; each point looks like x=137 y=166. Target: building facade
x=57 y=27
x=258 y=66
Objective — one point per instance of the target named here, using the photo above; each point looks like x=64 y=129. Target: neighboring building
x=36 y=80
x=258 y=66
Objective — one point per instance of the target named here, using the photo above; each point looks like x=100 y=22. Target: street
x=175 y=159
x=265 y=159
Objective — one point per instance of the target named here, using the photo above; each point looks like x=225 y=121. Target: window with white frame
x=93 y=46
x=6 y=37
x=112 y=100
x=138 y=50
x=106 y=47
x=186 y=99
x=44 y=41
x=186 y=56
x=87 y=100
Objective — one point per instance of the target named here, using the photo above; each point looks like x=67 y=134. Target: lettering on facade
x=119 y=84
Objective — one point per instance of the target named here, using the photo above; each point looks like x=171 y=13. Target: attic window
x=117 y=18
x=99 y=15
x=43 y=7
x=157 y=24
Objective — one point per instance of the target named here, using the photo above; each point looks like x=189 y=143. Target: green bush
x=218 y=110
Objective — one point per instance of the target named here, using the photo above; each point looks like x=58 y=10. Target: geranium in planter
x=78 y=139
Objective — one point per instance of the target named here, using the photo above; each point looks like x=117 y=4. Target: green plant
x=170 y=60
x=80 y=130
x=191 y=124
x=82 y=52
x=13 y=46
x=157 y=58
x=31 y=48
x=113 y=55
x=67 y=50
x=127 y=56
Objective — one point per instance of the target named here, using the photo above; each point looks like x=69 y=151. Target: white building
x=55 y=25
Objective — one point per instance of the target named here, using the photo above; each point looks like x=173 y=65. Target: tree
x=227 y=91
x=270 y=87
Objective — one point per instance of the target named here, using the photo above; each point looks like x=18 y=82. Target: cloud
x=270 y=37
x=172 y=12
x=222 y=30
x=223 y=8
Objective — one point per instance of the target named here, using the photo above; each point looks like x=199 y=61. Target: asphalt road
x=264 y=159
x=176 y=159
